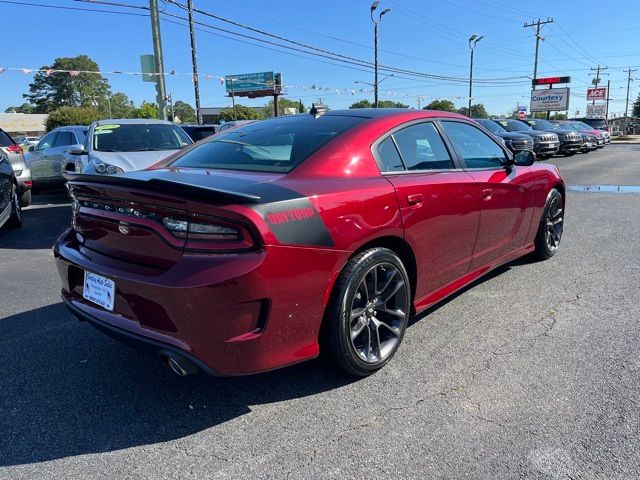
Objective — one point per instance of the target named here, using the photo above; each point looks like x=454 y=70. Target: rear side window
x=389 y=156
x=477 y=149
x=275 y=145
x=5 y=140
x=422 y=148
x=63 y=139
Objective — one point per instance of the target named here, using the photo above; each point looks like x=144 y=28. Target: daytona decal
x=295 y=222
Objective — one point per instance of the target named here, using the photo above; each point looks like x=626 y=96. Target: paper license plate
x=99 y=290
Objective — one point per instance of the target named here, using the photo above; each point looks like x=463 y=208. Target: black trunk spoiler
x=201 y=187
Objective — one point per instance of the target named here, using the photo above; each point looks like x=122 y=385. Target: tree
x=185 y=112
x=24 y=108
x=118 y=106
x=381 y=104
x=635 y=111
x=145 y=110
x=63 y=89
x=442 y=105
x=71 y=116
x=242 y=113
x=267 y=110
x=477 y=111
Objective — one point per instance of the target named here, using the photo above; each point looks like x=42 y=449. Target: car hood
x=131 y=161
x=536 y=133
x=513 y=135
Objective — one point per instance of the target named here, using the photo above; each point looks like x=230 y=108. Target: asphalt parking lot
x=532 y=372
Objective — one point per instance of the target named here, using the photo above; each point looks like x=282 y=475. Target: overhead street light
x=374 y=6
x=473 y=40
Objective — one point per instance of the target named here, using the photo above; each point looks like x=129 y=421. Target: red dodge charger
x=271 y=243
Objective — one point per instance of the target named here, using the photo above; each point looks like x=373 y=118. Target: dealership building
x=23 y=124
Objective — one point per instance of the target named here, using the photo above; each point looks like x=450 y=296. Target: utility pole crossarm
x=538 y=26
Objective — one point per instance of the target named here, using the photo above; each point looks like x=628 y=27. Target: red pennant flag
x=74 y=73
x=2 y=69
x=49 y=71
x=26 y=71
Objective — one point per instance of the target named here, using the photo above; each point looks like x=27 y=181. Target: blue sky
x=429 y=36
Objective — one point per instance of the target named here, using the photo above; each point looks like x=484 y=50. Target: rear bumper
x=140 y=342
x=235 y=314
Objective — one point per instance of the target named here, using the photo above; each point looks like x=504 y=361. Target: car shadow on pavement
x=526 y=260
x=41 y=226
x=68 y=390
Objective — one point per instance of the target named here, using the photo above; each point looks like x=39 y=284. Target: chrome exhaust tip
x=180 y=366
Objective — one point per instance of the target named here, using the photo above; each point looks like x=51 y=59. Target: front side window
x=138 y=137
x=46 y=142
x=422 y=148
x=475 y=147
x=275 y=145
x=63 y=139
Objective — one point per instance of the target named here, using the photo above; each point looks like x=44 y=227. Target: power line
x=81 y=9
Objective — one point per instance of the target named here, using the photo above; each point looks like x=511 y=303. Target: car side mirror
x=76 y=149
x=31 y=148
x=524 y=158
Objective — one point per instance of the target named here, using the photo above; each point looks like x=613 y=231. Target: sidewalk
x=633 y=139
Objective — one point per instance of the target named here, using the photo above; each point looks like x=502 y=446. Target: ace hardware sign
x=599 y=93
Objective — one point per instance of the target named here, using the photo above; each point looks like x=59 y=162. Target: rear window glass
x=199 y=133
x=275 y=145
x=5 y=140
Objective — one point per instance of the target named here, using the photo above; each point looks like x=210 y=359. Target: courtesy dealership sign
x=550 y=100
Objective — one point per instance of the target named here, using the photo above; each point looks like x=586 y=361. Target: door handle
x=486 y=193
x=415 y=200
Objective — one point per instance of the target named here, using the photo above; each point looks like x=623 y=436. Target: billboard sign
x=550 y=100
x=252 y=84
x=599 y=93
x=596 y=110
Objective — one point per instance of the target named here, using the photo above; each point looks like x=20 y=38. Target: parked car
x=233 y=124
x=226 y=259
x=52 y=156
x=583 y=127
x=591 y=139
x=545 y=144
x=514 y=141
x=570 y=140
x=116 y=146
x=597 y=124
x=27 y=141
x=199 y=132
x=15 y=155
x=10 y=209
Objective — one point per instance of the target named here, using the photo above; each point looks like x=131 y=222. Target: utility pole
x=374 y=5
x=596 y=80
x=606 y=115
x=629 y=80
x=194 y=60
x=473 y=40
x=161 y=89
x=539 y=37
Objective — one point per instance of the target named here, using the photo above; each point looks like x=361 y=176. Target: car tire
x=15 y=219
x=551 y=226
x=368 y=312
x=25 y=199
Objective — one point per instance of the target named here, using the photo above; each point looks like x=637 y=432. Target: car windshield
x=514 y=126
x=275 y=145
x=582 y=126
x=596 y=123
x=490 y=125
x=542 y=124
x=138 y=137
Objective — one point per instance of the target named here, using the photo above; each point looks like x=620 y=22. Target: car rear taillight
x=14 y=148
x=200 y=231
x=210 y=234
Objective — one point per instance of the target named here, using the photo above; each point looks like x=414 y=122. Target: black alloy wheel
x=551 y=226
